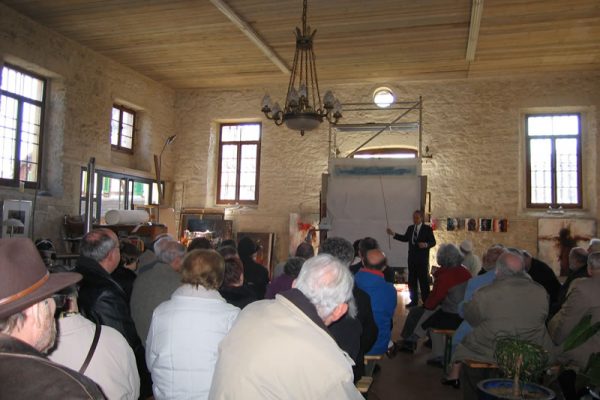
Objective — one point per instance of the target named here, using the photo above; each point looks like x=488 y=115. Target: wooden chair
x=364 y=384
x=370 y=362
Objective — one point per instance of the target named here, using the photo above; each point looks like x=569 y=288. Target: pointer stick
x=387 y=222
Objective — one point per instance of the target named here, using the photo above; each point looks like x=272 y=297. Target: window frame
x=579 y=137
x=97 y=199
x=16 y=181
x=239 y=144
x=118 y=147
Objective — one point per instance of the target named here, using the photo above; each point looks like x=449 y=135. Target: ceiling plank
x=476 y=13
x=252 y=35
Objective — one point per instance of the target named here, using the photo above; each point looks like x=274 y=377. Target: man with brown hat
x=28 y=329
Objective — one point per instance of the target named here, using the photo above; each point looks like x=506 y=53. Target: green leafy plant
x=520 y=360
x=583 y=331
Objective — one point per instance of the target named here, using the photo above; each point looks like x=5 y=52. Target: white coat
x=182 y=344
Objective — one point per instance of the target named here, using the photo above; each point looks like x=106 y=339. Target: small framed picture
x=471 y=224
x=16 y=218
x=500 y=225
x=485 y=224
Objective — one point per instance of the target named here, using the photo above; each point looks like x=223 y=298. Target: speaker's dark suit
x=418 y=260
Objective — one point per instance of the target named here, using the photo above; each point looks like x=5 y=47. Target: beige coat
x=509 y=306
x=583 y=298
x=274 y=351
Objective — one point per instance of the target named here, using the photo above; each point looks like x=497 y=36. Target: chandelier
x=303 y=109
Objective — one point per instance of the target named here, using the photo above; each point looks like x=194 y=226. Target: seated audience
x=233 y=289
x=291 y=269
x=102 y=300
x=364 y=245
x=541 y=273
x=125 y=273
x=186 y=330
x=281 y=349
x=447 y=277
x=112 y=363
x=28 y=328
x=355 y=335
x=477 y=282
x=582 y=300
x=150 y=257
x=593 y=246
x=256 y=276
x=304 y=250
x=383 y=297
x=513 y=304
x=578 y=258
x=470 y=260
x=199 y=243
x=156 y=285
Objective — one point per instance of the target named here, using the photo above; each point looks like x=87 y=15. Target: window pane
x=141 y=193
x=113 y=194
x=540 y=153
x=250 y=132
x=114 y=132
x=553 y=125
x=230 y=133
x=128 y=118
x=24 y=85
x=248 y=172
x=567 y=181
x=8 y=135
x=228 y=171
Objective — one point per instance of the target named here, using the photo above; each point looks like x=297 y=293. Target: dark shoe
x=455 y=383
x=407 y=346
x=412 y=304
x=392 y=351
x=435 y=362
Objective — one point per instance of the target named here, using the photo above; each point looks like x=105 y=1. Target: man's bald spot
x=375 y=256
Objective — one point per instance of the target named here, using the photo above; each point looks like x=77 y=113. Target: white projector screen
x=356 y=209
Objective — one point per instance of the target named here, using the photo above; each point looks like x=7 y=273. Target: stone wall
x=474 y=129
x=83 y=86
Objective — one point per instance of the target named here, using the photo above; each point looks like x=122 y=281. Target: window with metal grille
x=22 y=96
x=122 y=128
x=239 y=163
x=553 y=160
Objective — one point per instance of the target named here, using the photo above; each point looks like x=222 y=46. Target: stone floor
x=407 y=376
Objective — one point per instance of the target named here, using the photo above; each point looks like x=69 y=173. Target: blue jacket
x=383 y=302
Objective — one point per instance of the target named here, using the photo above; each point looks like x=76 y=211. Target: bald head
x=375 y=259
x=510 y=263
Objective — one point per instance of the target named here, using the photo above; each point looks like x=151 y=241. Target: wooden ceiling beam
x=252 y=35
x=476 y=13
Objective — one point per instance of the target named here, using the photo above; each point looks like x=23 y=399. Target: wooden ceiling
x=191 y=44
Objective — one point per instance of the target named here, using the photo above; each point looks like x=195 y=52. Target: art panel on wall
x=304 y=227
x=557 y=236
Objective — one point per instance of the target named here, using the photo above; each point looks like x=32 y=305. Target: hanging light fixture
x=303 y=109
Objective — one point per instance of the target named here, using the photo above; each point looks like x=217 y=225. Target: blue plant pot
x=485 y=390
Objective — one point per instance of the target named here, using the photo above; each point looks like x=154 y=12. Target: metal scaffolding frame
x=405 y=109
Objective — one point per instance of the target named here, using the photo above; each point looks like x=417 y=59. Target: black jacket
x=25 y=373
x=357 y=335
x=256 y=277
x=541 y=273
x=416 y=254
x=239 y=296
x=101 y=299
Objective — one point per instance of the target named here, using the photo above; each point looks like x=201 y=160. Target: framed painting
x=304 y=228
x=557 y=236
x=16 y=218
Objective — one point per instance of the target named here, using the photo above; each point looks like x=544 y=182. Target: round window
x=383 y=97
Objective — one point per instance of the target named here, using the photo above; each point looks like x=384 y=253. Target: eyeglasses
x=60 y=300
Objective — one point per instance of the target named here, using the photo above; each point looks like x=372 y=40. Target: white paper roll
x=126 y=217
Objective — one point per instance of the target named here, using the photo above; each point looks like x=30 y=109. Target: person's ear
x=339 y=312
x=294 y=284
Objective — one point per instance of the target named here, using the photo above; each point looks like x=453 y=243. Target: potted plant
x=590 y=375
x=521 y=362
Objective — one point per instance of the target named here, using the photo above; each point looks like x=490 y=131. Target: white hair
x=160 y=244
x=594 y=261
x=327 y=283
x=170 y=251
x=594 y=245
